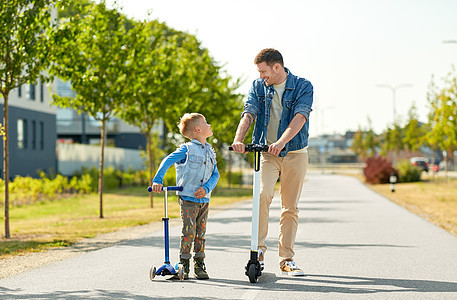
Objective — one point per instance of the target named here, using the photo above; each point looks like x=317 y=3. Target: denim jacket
x=197 y=170
x=296 y=99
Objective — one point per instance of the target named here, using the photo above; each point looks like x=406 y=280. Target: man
x=279 y=103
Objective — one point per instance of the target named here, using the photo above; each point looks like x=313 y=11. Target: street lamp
x=394 y=92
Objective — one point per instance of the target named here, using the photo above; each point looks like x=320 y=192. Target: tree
x=357 y=144
x=393 y=140
x=152 y=79
x=207 y=89
x=366 y=143
x=171 y=74
x=25 y=35
x=443 y=116
x=371 y=141
x=91 y=53
x=414 y=132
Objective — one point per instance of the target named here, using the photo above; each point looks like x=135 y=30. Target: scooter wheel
x=252 y=273
x=180 y=272
x=152 y=273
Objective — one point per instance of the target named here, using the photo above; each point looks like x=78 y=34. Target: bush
x=128 y=179
x=25 y=190
x=111 y=178
x=407 y=172
x=135 y=178
x=83 y=185
x=378 y=170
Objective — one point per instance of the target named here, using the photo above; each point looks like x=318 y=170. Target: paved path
x=351 y=243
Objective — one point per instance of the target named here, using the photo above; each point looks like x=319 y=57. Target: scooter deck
x=166 y=269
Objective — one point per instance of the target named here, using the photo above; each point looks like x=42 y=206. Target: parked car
x=420 y=162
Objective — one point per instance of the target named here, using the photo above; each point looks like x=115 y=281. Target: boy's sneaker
x=200 y=269
x=186 y=267
x=261 y=258
x=290 y=268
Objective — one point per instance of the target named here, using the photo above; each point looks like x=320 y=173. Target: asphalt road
x=351 y=244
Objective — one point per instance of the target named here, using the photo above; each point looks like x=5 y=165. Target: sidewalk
x=351 y=234
x=351 y=244
x=354 y=243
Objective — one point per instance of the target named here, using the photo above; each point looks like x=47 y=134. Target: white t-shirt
x=275 y=113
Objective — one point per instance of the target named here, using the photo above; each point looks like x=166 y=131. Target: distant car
x=420 y=162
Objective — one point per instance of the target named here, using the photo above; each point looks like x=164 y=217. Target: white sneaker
x=290 y=268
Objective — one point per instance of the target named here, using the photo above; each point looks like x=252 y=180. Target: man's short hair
x=270 y=56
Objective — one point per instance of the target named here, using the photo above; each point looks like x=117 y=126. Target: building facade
x=31 y=131
x=74 y=127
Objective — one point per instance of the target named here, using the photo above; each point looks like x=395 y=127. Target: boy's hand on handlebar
x=157 y=187
x=200 y=193
x=238 y=147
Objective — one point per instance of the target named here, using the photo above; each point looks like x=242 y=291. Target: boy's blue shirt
x=179 y=156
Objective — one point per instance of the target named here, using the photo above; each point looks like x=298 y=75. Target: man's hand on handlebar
x=239 y=147
x=275 y=148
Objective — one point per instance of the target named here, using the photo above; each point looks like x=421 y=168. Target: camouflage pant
x=194 y=216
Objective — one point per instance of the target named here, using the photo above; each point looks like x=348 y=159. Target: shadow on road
x=327 y=245
x=338 y=284
x=268 y=281
x=83 y=294
x=222 y=242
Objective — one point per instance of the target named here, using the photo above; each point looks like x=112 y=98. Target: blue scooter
x=167 y=269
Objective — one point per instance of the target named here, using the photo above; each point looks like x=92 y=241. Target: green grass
x=63 y=222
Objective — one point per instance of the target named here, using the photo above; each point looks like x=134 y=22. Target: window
x=32 y=91
x=22 y=134
x=41 y=135
x=64 y=116
x=41 y=92
x=34 y=135
x=19 y=91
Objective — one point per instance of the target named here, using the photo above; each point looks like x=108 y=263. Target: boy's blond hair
x=188 y=122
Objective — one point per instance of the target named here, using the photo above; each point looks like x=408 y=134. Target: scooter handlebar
x=174 y=188
x=168 y=188
x=253 y=148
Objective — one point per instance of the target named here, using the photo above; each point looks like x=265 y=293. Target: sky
x=346 y=48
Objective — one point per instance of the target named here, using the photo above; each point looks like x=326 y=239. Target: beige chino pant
x=291 y=170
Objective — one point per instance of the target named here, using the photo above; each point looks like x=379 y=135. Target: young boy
x=197 y=173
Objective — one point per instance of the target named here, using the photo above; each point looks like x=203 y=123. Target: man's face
x=269 y=74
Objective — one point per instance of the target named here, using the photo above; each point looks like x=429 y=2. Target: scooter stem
x=165 y=226
x=255 y=202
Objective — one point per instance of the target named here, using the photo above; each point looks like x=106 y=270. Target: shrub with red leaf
x=378 y=170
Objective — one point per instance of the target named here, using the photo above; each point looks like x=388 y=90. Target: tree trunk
x=102 y=159
x=6 y=175
x=150 y=158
